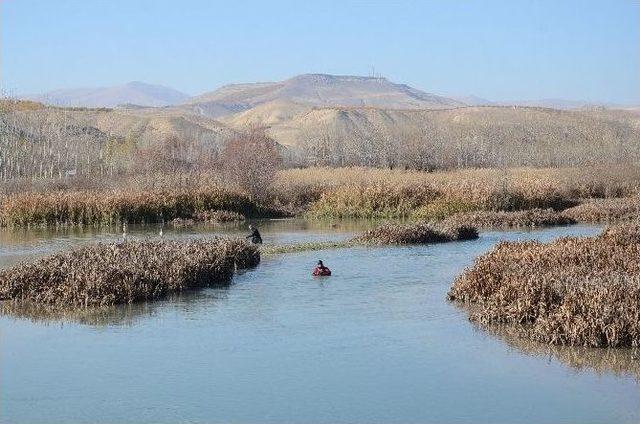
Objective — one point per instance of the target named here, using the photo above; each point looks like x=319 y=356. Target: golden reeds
x=132 y=206
x=108 y=274
x=606 y=210
x=573 y=291
x=375 y=193
x=329 y=193
x=416 y=234
x=208 y=217
x=518 y=219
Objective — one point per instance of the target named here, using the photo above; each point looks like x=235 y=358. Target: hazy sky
x=501 y=50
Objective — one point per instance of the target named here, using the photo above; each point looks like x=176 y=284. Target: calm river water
x=375 y=343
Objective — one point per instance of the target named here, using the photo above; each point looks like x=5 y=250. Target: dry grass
x=574 y=291
x=378 y=193
x=372 y=201
x=209 y=217
x=518 y=219
x=108 y=274
x=320 y=192
x=416 y=234
x=133 y=206
x=605 y=210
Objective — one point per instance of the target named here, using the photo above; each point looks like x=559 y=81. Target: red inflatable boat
x=321 y=272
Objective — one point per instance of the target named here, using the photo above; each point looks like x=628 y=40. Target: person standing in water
x=321 y=271
x=255 y=235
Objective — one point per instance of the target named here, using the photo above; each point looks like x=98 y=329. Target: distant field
x=48 y=142
x=330 y=193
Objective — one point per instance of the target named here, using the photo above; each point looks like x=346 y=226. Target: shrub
x=518 y=219
x=573 y=291
x=108 y=274
x=605 y=210
x=250 y=161
x=416 y=234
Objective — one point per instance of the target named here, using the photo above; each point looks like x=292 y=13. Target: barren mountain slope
x=138 y=93
x=317 y=90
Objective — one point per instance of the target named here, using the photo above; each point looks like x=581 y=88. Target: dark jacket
x=255 y=236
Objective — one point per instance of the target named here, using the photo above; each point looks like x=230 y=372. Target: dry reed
x=416 y=234
x=605 y=210
x=108 y=274
x=376 y=193
x=573 y=291
x=209 y=217
x=132 y=206
x=518 y=219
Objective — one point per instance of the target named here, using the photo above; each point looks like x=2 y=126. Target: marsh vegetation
x=108 y=274
x=582 y=195
x=573 y=291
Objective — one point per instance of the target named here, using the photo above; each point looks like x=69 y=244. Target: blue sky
x=501 y=50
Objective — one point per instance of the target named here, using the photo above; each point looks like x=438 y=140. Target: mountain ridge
x=133 y=93
x=317 y=90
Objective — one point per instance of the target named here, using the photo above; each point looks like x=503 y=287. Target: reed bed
x=418 y=233
x=209 y=217
x=356 y=192
x=519 y=219
x=371 y=193
x=109 y=274
x=386 y=234
x=371 y=201
x=490 y=189
x=605 y=210
x=111 y=207
x=573 y=291
x=424 y=202
x=443 y=208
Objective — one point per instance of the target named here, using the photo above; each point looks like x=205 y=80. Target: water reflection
x=24 y=244
x=117 y=315
x=621 y=362
x=365 y=345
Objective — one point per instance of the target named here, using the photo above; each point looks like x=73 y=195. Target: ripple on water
x=376 y=342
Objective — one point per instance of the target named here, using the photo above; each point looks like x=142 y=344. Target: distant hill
x=504 y=123
x=563 y=104
x=552 y=103
x=471 y=100
x=100 y=141
x=133 y=93
x=461 y=137
x=317 y=90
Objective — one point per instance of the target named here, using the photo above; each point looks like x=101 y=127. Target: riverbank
x=573 y=291
x=107 y=274
x=582 y=195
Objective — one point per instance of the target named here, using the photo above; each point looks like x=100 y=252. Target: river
x=375 y=343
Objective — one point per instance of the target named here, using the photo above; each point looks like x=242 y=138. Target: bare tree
x=250 y=161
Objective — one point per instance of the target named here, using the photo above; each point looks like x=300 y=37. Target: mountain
x=496 y=124
x=552 y=103
x=468 y=136
x=132 y=93
x=317 y=90
x=562 y=104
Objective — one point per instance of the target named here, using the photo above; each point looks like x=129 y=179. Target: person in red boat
x=321 y=271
